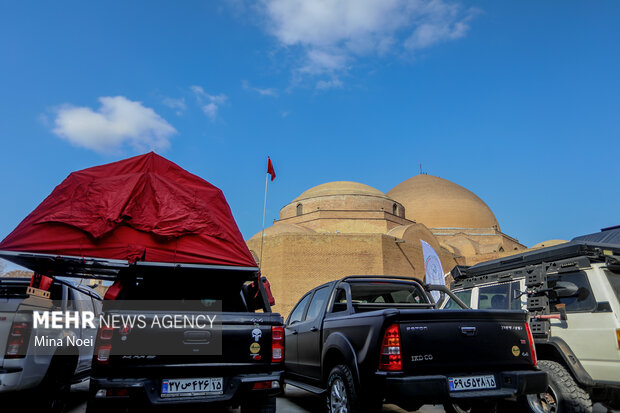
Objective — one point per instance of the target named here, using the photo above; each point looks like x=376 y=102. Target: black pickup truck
x=173 y=357
x=366 y=340
x=182 y=360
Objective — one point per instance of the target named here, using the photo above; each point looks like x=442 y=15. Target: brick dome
x=439 y=203
x=341 y=196
x=340 y=188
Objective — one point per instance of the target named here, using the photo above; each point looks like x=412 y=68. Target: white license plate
x=191 y=387
x=472 y=383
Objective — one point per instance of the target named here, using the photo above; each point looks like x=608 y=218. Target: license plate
x=191 y=387
x=472 y=383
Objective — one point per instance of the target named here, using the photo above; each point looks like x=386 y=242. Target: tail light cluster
x=390 y=358
x=277 y=344
x=18 y=339
x=104 y=345
x=530 y=340
x=618 y=337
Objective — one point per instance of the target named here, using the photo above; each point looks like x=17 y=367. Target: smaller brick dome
x=341 y=196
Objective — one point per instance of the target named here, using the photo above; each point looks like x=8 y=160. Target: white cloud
x=177 y=104
x=210 y=104
x=117 y=122
x=329 y=84
x=261 y=91
x=332 y=34
x=210 y=109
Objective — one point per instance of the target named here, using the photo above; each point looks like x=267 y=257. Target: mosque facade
x=347 y=228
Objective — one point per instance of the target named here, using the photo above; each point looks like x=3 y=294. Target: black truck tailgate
x=458 y=341
x=246 y=345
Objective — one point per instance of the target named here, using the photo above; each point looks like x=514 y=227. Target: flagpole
x=260 y=262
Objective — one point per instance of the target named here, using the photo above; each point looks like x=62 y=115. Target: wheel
x=341 y=392
x=263 y=405
x=53 y=391
x=471 y=407
x=563 y=395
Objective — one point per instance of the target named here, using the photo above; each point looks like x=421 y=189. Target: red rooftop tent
x=144 y=208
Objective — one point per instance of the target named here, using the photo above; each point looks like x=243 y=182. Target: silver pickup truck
x=27 y=365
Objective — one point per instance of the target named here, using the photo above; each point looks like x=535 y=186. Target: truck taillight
x=530 y=340
x=277 y=344
x=104 y=345
x=18 y=339
x=618 y=337
x=390 y=357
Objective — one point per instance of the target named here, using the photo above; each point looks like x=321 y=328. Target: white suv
x=572 y=292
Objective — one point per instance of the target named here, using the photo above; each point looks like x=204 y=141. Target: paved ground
x=295 y=401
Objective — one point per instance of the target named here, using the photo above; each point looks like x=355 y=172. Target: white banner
x=433 y=268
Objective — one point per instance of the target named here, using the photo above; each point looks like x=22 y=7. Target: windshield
x=195 y=293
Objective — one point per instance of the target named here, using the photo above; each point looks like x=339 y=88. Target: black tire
x=262 y=405
x=342 y=394
x=53 y=391
x=563 y=394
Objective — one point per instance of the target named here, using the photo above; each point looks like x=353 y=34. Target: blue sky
x=515 y=100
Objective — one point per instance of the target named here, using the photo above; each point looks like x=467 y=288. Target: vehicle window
x=614 y=281
x=494 y=297
x=387 y=292
x=465 y=297
x=583 y=301
x=204 y=293
x=319 y=298
x=298 y=312
x=340 y=301
x=515 y=295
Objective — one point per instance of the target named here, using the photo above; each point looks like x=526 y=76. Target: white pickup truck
x=43 y=369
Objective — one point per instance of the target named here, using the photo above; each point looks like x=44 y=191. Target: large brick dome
x=439 y=203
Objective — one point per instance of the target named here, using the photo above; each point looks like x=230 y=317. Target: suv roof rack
x=593 y=251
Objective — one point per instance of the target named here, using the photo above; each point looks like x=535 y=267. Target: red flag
x=270 y=169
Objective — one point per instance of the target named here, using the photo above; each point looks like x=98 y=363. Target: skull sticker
x=256 y=334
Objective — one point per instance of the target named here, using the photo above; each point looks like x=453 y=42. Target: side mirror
x=563 y=289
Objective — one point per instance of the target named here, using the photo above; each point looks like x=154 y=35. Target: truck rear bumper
x=106 y=393
x=10 y=379
x=414 y=390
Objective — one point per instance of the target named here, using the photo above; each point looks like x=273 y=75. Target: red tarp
x=143 y=208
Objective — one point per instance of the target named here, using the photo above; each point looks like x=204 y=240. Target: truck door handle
x=313 y=329
x=294 y=332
